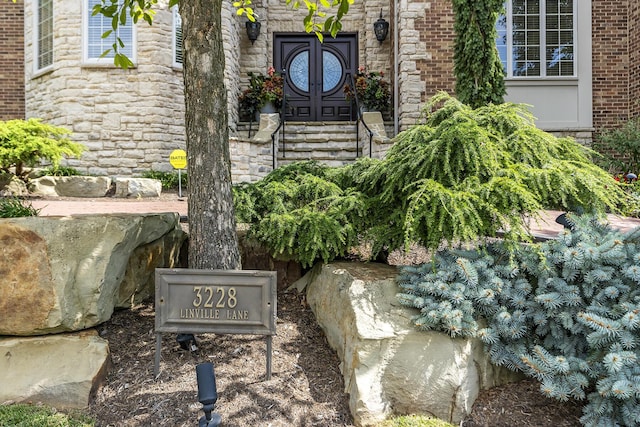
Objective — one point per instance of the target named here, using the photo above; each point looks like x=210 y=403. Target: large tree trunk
x=212 y=227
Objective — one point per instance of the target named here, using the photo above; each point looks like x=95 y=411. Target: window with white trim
x=96 y=45
x=177 y=38
x=537 y=38
x=44 y=34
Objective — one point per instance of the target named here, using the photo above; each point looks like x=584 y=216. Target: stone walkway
x=545 y=228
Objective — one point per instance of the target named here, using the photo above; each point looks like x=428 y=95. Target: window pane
x=533 y=6
x=45 y=34
x=331 y=71
x=533 y=38
x=560 y=39
x=177 y=41
x=529 y=56
x=566 y=22
x=299 y=71
x=98 y=25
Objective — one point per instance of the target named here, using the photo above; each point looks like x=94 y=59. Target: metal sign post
x=215 y=301
x=178 y=159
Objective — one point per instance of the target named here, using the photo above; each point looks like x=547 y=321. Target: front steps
x=332 y=143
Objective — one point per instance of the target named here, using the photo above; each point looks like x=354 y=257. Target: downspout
x=396 y=84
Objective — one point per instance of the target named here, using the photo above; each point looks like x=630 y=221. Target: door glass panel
x=331 y=71
x=299 y=71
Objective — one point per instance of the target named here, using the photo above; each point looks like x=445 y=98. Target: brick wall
x=634 y=49
x=437 y=32
x=11 y=60
x=611 y=97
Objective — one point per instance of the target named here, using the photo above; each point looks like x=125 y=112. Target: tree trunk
x=213 y=242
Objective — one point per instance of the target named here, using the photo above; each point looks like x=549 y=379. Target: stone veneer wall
x=11 y=60
x=129 y=120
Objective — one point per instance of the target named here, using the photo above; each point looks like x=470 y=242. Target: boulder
x=63 y=370
x=71 y=186
x=63 y=274
x=11 y=186
x=137 y=187
x=388 y=365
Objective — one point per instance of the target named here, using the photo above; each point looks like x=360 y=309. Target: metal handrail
x=359 y=117
x=281 y=124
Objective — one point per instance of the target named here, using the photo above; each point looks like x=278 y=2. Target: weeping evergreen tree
x=477 y=66
x=462 y=175
x=466 y=173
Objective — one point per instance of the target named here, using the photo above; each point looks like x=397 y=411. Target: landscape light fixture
x=253 y=30
x=207 y=395
x=381 y=28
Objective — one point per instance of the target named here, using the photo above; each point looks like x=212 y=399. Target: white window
x=177 y=38
x=95 y=45
x=44 y=34
x=537 y=38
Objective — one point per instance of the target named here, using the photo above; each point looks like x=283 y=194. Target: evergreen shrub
x=25 y=143
x=463 y=174
x=169 y=180
x=566 y=312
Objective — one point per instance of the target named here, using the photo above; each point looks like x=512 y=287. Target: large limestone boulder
x=71 y=186
x=388 y=365
x=137 y=187
x=68 y=273
x=63 y=370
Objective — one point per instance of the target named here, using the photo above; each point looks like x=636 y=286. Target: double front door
x=316 y=74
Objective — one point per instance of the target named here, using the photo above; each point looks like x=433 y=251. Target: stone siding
x=11 y=60
x=129 y=120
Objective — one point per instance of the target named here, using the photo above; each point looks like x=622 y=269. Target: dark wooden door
x=316 y=74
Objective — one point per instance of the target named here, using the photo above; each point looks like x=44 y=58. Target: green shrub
x=462 y=175
x=620 y=148
x=20 y=415
x=59 y=171
x=169 y=180
x=566 y=312
x=13 y=207
x=298 y=213
x=27 y=143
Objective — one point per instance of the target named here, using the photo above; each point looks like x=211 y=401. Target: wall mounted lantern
x=253 y=30
x=381 y=28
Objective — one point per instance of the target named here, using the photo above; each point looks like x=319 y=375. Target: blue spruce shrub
x=566 y=312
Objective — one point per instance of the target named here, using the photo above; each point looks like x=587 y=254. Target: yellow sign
x=178 y=159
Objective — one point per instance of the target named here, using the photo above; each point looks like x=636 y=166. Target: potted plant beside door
x=372 y=90
x=264 y=94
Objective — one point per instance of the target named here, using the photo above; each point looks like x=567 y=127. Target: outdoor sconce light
x=207 y=395
x=253 y=30
x=381 y=28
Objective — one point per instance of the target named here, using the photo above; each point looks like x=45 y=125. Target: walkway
x=547 y=227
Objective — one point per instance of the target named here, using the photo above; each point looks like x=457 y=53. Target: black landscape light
x=253 y=30
x=381 y=28
x=187 y=342
x=207 y=395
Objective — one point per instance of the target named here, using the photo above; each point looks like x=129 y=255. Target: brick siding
x=611 y=96
x=11 y=60
x=436 y=31
x=634 y=49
